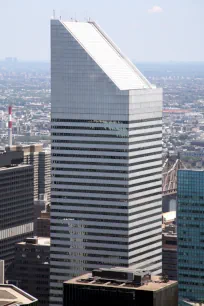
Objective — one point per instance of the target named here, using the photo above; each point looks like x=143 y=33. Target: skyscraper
x=106 y=157
x=191 y=235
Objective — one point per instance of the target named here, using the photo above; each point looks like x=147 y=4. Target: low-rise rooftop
x=36 y=241
x=155 y=284
x=11 y=295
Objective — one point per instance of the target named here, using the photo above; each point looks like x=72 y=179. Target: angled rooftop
x=107 y=56
x=11 y=295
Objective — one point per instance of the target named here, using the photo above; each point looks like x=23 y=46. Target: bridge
x=169 y=174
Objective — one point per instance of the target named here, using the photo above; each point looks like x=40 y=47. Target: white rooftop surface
x=104 y=52
x=41 y=241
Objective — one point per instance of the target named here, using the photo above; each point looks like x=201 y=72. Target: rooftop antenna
x=53 y=14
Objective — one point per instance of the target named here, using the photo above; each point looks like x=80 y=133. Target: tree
x=165 y=278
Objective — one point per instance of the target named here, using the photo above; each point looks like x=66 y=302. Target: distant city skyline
x=147 y=31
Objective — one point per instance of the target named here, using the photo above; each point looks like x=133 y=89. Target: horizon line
x=134 y=61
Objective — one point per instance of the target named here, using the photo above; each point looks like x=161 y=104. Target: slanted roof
x=108 y=57
x=11 y=295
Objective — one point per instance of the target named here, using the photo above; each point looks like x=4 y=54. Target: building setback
x=106 y=158
x=16 y=203
x=119 y=287
x=191 y=235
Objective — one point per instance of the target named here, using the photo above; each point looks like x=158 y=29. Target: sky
x=145 y=30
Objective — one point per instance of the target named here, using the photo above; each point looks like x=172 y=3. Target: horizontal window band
x=88 y=191
x=89 y=170
x=145 y=231
x=107 y=220
x=94 y=234
x=125 y=229
x=147 y=223
x=56 y=176
x=100 y=213
x=117 y=135
x=127 y=143
x=87 y=240
x=145 y=252
x=106 y=191
x=87 y=255
x=90 y=135
x=125 y=207
x=105 y=185
x=91 y=156
x=57 y=210
x=116 y=128
x=106 y=156
x=146 y=244
x=87 y=227
x=111 y=150
x=89 y=219
x=106 y=164
x=105 y=128
x=90 y=234
x=145 y=175
x=125 y=179
x=147 y=258
x=144 y=169
x=146 y=189
x=145 y=127
x=80 y=262
x=106 y=121
x=105 y=199
x=55 y=162
x=144 y=217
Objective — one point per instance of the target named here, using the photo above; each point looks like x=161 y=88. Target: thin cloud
x=155 y=10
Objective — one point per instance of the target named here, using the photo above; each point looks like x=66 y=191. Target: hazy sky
x=145 y=30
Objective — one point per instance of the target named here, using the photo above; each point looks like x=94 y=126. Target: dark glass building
x=31 y=267
x=191 y=234
x=120 y=287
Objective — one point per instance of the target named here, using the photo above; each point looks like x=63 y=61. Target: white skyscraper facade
x=106 y=158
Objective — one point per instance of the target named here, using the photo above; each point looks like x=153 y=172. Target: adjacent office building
x=39 y=206
x=31 y=267
x=16 y=203
x=106 y=158
x=41 y=161
x=43 y=223
x=169 y=254
x=191 y=235
x=2 y=272
x=120 y=287
x=44 y=173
